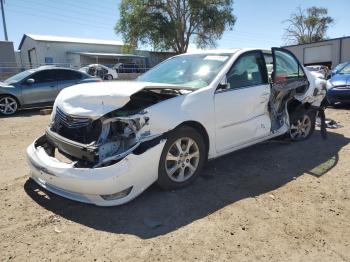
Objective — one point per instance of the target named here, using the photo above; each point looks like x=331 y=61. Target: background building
x=8 y=64
x=36 y=50
x=328 y=52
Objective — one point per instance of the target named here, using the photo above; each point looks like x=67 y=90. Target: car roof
x=48 y=67
x=214 y=51
x=226 y=51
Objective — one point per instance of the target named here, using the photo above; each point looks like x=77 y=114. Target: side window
x=43 y=76
x=104 y=70
x=65 y=75
x=287 y=67
x=247 y=71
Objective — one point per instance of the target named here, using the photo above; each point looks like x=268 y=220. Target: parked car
x=338 y=87
x=101 y=71
x=37 y=87
x=319 y=71
x=127 y=68
x=339 y=67
x=121 y=137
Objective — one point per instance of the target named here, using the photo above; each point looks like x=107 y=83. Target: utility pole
x=3 y=19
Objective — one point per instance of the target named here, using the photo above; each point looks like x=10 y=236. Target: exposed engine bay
x=96 y=143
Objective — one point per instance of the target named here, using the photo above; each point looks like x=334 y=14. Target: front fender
x=197 y=106
x=12 y=91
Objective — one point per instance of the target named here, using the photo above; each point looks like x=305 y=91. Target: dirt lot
x=275 y=201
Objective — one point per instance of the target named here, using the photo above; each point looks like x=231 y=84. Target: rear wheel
x=182 y=158
x=303 y=127
x=8 y=105
x=109 y=77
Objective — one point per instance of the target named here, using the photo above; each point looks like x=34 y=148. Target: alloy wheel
x=301 y=128
x=182 y=159
x=8 y=105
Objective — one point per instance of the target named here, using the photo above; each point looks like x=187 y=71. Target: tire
x=109 y=77
x=178 y=169
x=8 y=105
x=303 y=127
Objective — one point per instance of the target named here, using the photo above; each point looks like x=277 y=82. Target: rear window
x=44 y=76
x=69 y=75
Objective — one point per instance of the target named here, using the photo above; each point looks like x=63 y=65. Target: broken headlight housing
x=119 y=137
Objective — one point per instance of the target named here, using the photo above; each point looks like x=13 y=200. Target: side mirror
x=224 y=85
x=30 y=81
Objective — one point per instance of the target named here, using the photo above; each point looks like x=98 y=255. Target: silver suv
x=37 y=87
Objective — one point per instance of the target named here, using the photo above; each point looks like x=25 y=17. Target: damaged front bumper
x=110 y=185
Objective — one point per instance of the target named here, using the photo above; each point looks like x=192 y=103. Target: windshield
x=345 y=70
x=18 y=77
x=194 y=71
x=340 y=66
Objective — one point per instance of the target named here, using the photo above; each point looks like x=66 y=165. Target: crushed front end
x=105 y=161
x=105 y=153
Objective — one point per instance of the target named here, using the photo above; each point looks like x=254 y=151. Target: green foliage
x=172 y=24
x=306 y=26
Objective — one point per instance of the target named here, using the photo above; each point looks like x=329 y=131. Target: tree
x=306 y=26
x=174 y=24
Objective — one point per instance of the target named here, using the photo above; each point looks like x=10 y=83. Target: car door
x=42 y=90
x=68 y=78
x=102 y=72
x=288 y=78
x=241 y=109
x=288 y=72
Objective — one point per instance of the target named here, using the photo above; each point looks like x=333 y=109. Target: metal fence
x=9 y=69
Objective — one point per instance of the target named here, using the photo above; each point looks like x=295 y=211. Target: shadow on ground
x=242 y=174
x=26 y=113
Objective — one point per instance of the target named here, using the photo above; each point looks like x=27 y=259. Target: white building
x=36 y=50
x=329 y=52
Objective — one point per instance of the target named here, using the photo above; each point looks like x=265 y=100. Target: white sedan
x=101 y=71
x=318 y=71
x=109 y=142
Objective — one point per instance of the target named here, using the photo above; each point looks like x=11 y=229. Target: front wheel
x=8 y=105
x=109 y=77
x=182 y=158
x=303 y=127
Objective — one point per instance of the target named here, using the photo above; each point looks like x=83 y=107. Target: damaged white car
x=108 y=142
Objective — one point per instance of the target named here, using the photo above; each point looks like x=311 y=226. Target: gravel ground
x=275 y=201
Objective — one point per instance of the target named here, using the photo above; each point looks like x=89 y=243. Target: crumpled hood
x=340 y=80
x=97 y=99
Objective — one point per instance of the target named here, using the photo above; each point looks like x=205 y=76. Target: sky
x=259 y=22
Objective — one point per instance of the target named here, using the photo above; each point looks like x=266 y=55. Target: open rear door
x=288 y=74
x=288 y=79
